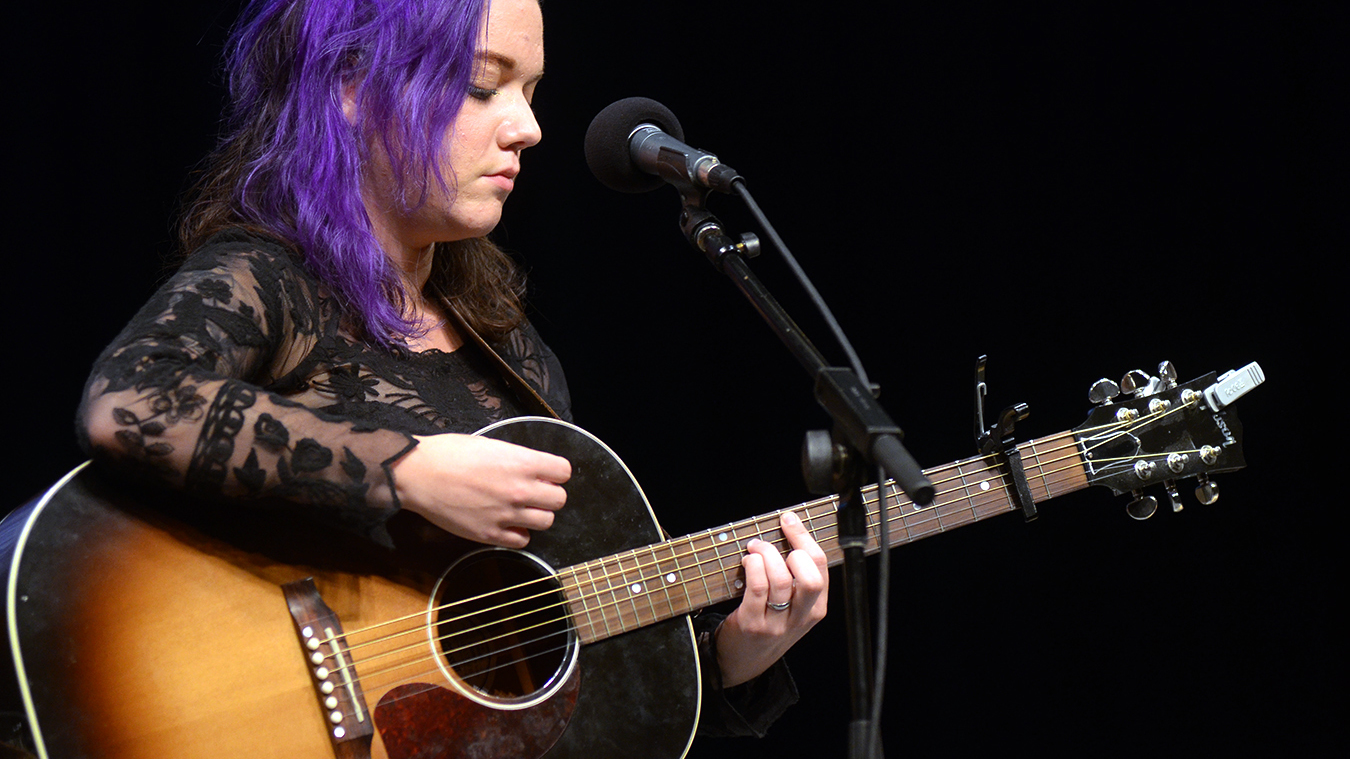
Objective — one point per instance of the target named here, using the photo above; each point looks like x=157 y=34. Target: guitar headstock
x=1164 y=433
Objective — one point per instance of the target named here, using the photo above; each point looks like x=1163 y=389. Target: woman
x=341 y=322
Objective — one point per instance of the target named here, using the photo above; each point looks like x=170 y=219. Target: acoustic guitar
x=148 y=625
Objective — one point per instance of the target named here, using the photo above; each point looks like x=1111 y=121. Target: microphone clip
x=704 y=231
x=677 y=163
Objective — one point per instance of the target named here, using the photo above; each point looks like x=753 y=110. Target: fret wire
x=603 y=617
x=664 y=573
x=592 y=595
x=628 y=592
x=904 y=523
x=701 y=576
x=731 y=530
x=680 y=573
x=1063 y=441
x=872 y=517
x=907 y=522
x=718 y=542
x=718 y=546
x=1040 y=471
x=809 y=521
x=965 y=486
x=628 y=603
x=1063 y=474
x=578 y=594
x=648 y=591
x=614 y=600
x=634 y=597
x=986 y=499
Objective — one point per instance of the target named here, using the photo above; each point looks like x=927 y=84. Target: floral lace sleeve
x=179 y=396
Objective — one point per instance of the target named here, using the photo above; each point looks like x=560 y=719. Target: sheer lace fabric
x=238 y=379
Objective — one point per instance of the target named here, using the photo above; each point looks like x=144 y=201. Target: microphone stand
x=862 y=434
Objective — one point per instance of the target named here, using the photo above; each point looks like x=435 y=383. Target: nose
x=520 y=129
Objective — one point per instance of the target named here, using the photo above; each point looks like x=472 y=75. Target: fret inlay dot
x=637 y=588
x=984 y=485
x=722 y=536
x=670 y=577
x=739 y=584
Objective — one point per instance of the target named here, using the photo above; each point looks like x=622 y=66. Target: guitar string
x=758 y=525
x=1042 y=473
x=760 y=531
x=638 y=614
x=460 y=666
x=640 y=567
x=510 y=662
x=1152 y=417
x=870 y=490
x=462 y=663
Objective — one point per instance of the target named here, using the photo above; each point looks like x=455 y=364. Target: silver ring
x=780 y=607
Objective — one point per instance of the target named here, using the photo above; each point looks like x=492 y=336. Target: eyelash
x=479 y=93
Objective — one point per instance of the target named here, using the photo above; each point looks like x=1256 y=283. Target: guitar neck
x=625 y=591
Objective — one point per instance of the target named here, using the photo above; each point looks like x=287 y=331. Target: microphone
x=636 y=144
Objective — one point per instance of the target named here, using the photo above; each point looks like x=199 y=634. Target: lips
x=506 y=178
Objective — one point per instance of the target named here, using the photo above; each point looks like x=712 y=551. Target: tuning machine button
x=1102 y=391
x=1167 y=375
x=1142 y=507
x=1207 y=492
x=1173 y=496
x=1134 y=381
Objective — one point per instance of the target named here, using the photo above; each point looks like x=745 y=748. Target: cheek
x=473 y=136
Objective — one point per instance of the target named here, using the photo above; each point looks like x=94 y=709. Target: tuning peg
x=1134 y=381
x=1102 y=391
x=1167 y=373
x=1173 y=495
x=1207 y=492
x=1142 y=507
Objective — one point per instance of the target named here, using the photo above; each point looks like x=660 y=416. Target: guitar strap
x=524 y=391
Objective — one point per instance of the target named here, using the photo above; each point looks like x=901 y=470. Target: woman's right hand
x=482 y=489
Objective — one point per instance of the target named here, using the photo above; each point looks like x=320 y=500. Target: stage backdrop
x=1075 y=191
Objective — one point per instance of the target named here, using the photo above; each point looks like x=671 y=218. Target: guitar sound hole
x=502 y=625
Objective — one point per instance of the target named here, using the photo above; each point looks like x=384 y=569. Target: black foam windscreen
x=607 y=150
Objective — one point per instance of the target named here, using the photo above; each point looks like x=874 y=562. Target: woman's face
x=481 y=150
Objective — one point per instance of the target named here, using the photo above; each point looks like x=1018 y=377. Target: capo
x=999 y=439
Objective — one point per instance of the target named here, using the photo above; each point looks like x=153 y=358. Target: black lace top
x=239 y=380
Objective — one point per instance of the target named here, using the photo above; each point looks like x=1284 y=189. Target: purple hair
x=291 y=162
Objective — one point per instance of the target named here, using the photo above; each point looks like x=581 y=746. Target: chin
x=477 y=225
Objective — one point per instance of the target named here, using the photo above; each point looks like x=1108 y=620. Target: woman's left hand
x=784 y=597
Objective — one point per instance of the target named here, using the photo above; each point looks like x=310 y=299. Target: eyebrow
x=506 y=62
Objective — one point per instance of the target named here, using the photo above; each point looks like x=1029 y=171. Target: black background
x=1075 y=189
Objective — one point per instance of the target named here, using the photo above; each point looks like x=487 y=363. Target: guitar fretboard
x=625 y=591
